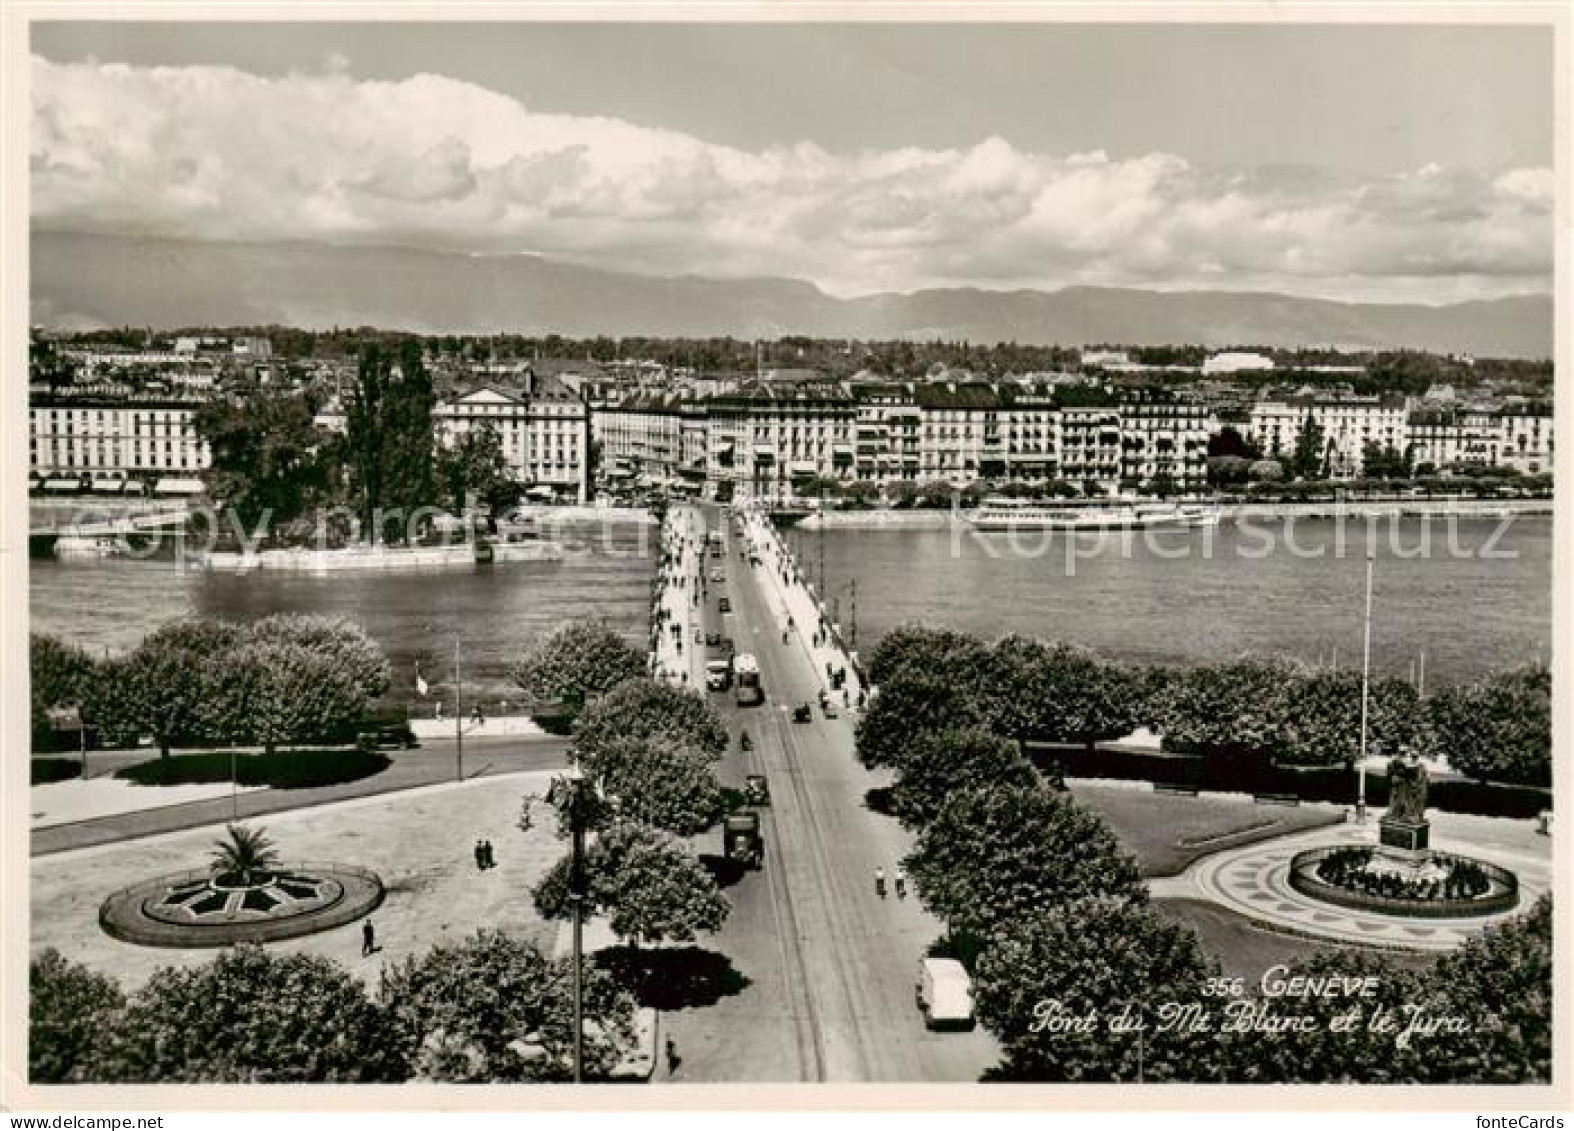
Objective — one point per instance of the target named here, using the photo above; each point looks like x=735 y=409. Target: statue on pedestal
x=1404 y=826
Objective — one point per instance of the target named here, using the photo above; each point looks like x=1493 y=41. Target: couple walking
x=483 y=855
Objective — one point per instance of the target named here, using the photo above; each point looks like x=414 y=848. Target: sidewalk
x=790 y=596
x=680 y=601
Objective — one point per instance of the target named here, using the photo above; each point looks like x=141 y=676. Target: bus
x=746 y=671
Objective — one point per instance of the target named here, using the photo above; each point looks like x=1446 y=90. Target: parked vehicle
x=802 y=713
x=724 y=606
x=718 y=674
x=944 y=994
x=717 y=577
x=713 y=639
x=741 y=841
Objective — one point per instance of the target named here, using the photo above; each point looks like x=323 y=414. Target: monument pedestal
x=1402 y=837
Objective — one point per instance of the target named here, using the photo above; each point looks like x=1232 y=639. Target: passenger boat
x=1088 y=514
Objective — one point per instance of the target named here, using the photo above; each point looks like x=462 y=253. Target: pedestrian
x=480 y=857
x=673 y=1059
x=368 y=939
x=901 y=884
x=479 y=719
x=487 y=859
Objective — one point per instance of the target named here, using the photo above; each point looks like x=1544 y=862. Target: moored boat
x=1088 y=514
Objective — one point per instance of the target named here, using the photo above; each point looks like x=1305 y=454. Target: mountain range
x=82 y=281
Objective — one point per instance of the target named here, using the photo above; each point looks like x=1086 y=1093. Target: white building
x=122 y=435
x=1348 y=425
x=543 y=430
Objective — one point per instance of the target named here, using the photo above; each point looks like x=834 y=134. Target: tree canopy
x=494 y=1008
x=577 y=661
x=651 y=887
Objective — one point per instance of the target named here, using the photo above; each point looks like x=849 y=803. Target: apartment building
x=543 y=428
x=115 y=432
x=1163 y=437
x=768 y=437
x=1348 y=425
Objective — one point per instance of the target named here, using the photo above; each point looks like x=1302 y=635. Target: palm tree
x=245 y=852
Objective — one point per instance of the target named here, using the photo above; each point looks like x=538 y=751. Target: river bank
x=1229 y=512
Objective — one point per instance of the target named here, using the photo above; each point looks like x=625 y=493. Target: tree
x=1500 y=982
x=1227 y=471
x=1385 y=462
x=919 y=648
x=1265 y=471
x=338 y=639
x=59 y=676
x=274 y=694
x=389 y=438
x=269 y=460
x=943 y=763
x=1323 y=718
x=244 y=852
x=1234 y=712
x=651 y=887
x=1498 y=728
x=160 y=687
x=1308 y=460
x=1093 y=956
x=1083 y=699
x=70 y=1010
x=494 y=1008
x=1362 y=1054
x=661 y=782
x=474 y=467
x=647 y=708
x=1228 y=443
x=998 y=853
x=909 y=705
x=576 y=662
x=249 y=1016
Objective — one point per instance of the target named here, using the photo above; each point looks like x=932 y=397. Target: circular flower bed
x=205 y=908
x=1435 y=885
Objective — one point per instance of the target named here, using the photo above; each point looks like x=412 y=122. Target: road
x=830 y=965
x=433 y=762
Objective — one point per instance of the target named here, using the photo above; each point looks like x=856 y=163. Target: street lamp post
x=1366 y=677
x=567 y=796
x=459 y=732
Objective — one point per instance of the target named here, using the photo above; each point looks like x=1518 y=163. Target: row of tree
x=1255 y=710
x=646 y=751
x=285 y=678
x=1051 y=915
x=492 y=1008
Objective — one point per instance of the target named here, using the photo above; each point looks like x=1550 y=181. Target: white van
x=944 y=994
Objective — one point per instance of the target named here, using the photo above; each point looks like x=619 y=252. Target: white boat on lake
x=1088 y=514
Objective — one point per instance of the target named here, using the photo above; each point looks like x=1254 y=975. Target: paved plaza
x=420 y=842
x=1253 y=881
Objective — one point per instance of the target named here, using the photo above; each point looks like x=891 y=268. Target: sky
x=1400 y=163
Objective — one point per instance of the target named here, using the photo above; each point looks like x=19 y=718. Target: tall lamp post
x=459 y=731
x=567 y=795
x=1366 y=679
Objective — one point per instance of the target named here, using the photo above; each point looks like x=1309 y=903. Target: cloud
x=218 y=153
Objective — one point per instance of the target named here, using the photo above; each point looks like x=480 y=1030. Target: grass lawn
x=284 y=769
x=1245 y=950
x=1166 y=832
x=45 y=771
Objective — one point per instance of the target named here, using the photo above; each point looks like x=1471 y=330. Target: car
x=755 y=790
x=713 y=639
x=802 y=714
x=944 y=994
x=392 y=737
x=724 y=605
x=718 y=577
x=829 y=708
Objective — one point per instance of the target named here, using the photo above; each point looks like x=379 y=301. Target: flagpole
x=1366 y=676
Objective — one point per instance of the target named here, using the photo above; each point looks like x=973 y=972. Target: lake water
x=493 y=611
x=1159 y=599
x=1480 y=599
